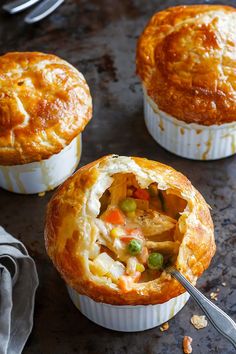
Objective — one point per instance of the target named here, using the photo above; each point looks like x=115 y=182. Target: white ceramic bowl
x=193 y=141
x=127 y=318
x=43 y=175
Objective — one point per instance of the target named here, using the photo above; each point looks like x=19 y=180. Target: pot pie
x=113 y=227
x=45 y=104
x=186 y=61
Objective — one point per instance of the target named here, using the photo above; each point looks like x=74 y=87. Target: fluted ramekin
x=43 y=175
x=193 y=141
x=127 y=318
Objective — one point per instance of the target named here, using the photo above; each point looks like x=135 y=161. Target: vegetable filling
x=138 y=232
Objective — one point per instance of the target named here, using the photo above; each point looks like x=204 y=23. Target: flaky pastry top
x=44 y=103
x=186 y=58
x=71 y=230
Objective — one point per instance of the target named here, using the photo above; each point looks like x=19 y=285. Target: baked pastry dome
x=186 y=58
x=89 y=230
x=44 y=104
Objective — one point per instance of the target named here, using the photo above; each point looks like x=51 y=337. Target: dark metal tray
x=99 y=37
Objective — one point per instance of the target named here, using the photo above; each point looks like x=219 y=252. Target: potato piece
x=94 y=251
x=131 y=265
x=101 y=264
x=116 y=271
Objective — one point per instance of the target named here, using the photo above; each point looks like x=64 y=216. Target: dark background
x=99 y=38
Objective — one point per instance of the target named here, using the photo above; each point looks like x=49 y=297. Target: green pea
x=155 y=261
x=128 y=205
x=134 y=247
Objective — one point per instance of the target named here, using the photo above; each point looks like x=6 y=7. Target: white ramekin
x=43 y=175
x=193 y=141
x=127 y=318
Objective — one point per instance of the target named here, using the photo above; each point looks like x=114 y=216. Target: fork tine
x=18 y=5
x=42 y=10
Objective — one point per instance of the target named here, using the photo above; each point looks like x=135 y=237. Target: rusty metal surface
x=99 y=38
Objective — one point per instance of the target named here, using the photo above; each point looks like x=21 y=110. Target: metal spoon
x=18 y=5
x=45 y=8
x=219 y=319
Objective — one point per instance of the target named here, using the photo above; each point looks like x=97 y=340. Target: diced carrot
x=125 y=282
x=131 y=234
x=130 y=231
x=142 y=194
x=134 y=231
x=126 y=239
x=143 y=256
x=114 y=216
x=136 y=276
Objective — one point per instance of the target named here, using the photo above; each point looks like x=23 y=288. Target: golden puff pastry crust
x=70 y=230
x=44 y=103
x=186 y=58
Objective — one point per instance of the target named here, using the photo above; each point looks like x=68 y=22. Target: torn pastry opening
x=138 y=231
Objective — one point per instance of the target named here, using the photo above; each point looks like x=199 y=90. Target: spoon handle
x=18 y=5
x=219 y=319
x=45 y=8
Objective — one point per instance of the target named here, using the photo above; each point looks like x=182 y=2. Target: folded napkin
x=18 y=284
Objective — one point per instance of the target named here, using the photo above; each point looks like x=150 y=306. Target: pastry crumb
x=187 y=348
x=199 y=322
x=164 y=327
x=223 y=284
x=214 y=296
x=41 y=194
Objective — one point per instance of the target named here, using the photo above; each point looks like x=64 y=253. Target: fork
x=45 y=8
x=218 y=318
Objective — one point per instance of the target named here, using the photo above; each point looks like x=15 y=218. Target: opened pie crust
x=89 y=247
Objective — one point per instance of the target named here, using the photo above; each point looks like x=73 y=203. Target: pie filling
x=138 y=232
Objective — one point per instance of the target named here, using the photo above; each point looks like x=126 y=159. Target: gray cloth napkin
x=18 y=284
